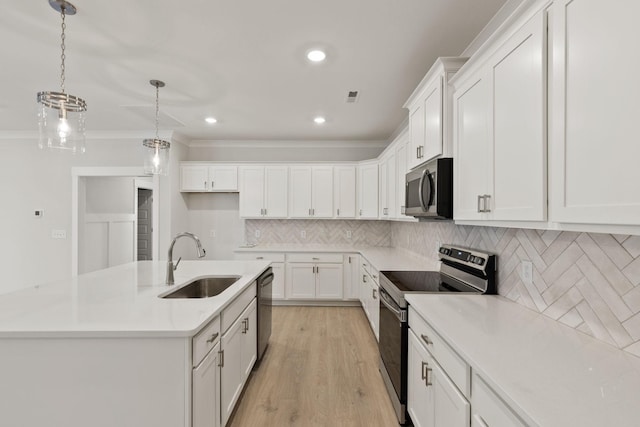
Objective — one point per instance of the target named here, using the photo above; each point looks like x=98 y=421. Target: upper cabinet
x=344 y=191
x=430 y=114
x=311 y=192
x=263 y=191
x=499 y=130
x=387 y=190
x=594 y=151
x=368 y=190
x=202 y=177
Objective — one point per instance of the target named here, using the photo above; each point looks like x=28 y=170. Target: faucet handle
x=177 y=262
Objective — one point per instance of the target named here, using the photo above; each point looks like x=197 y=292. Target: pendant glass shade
x=61 y=122
x=156 y=150
x=60 y=115
x=156 y=156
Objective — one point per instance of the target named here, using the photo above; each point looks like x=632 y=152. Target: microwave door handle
x=420 y=192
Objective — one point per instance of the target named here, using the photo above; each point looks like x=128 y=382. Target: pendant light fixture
x=156 y=156
x=60 y=115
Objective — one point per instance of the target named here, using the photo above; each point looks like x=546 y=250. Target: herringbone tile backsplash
x=330 y=232
x=588 y=281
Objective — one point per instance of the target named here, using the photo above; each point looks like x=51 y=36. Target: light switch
x=527 y=272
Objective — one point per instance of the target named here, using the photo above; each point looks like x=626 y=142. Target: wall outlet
x=349 y=234
x=212 y=233
x=257 y=234
x=58 y=234
x=303 y=234
x=527 y=272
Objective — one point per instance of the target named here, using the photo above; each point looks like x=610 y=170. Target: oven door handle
x=388 y=302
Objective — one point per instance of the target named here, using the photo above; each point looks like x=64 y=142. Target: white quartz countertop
x=121 y=301
x=550 y=374
x=381 y=257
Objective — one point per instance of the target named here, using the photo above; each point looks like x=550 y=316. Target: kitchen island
x=102 y=349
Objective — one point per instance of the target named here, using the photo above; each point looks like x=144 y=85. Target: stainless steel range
x=462 y=271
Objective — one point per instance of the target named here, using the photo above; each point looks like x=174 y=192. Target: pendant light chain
x=62 y=46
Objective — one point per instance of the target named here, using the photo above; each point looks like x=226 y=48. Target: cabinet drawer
x=453 y=365
x=231 y=312
x=267 y=256
x=488 y=409
x=205 y=340
x=314 y=257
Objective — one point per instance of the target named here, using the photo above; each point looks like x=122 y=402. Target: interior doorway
x=110 y=206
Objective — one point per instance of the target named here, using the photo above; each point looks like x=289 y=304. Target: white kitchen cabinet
x=429 y=112
x=263 y=191
x=344 y=191
x=488 y=409
x=368 y=190
x=311 y=192
x=208 y=178
x=351 y=280
x=433 y=400
x=314 y=276
x=206 y=391
x=387 y=186
x=594 y=152
x=239 y=344
x=369 y=298
x=500 y=133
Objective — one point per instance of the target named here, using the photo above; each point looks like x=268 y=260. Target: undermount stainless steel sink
x=204 y=288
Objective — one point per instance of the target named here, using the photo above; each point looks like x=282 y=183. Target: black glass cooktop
x=425 y=282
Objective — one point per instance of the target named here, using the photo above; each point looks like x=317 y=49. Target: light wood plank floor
x=320 y=369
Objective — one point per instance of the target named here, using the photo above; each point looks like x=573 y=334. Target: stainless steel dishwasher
x=265 y=299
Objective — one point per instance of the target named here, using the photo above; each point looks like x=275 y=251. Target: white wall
x=33 y=179
x=109 y=194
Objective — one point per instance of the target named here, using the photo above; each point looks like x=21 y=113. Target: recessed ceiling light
x=316 y=55
x=319 y=120
x=211 y=120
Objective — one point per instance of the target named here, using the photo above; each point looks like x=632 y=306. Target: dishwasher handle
x=266 y=280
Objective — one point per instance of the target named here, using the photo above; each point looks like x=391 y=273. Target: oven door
x=393 y=351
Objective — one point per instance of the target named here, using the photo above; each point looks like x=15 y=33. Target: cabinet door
x=402 y=163
x=322 y=191
x=275 y=191
x=383 y=202
x=329 y=281
x=364 y=291
x=594 y=112
x=519 y=130
x=278 y=280
x=368 y=191
x=301 y=280
x=374 y=309
x=392 y=206
x=232 y=372
x=489 y=409
x=416 y=133
x=344 y=191
x=432 y=106
x=451 y=408
x=205 y=400
x=194 y=178
x=300 y=192
x=472 y=118
x=420 y=398
x=248 y=356
x=223 y=178
x=252 y=187
x=351 y=277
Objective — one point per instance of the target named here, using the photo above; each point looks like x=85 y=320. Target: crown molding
x=287 y=144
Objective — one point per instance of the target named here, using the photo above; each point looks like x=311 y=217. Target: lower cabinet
x=351 y=277
x=488 y=409
x=369 y=298
x=433 y=400
x=206 y=391
x=239 y=344
x=314 y=276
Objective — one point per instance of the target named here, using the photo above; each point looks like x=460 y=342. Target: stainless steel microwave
x=429 y=190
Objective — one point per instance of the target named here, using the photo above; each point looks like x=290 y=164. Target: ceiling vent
x=352 y=96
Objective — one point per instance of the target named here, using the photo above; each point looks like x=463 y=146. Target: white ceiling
x=242 y=61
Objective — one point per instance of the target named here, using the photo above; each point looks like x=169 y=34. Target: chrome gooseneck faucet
x=170 y=267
